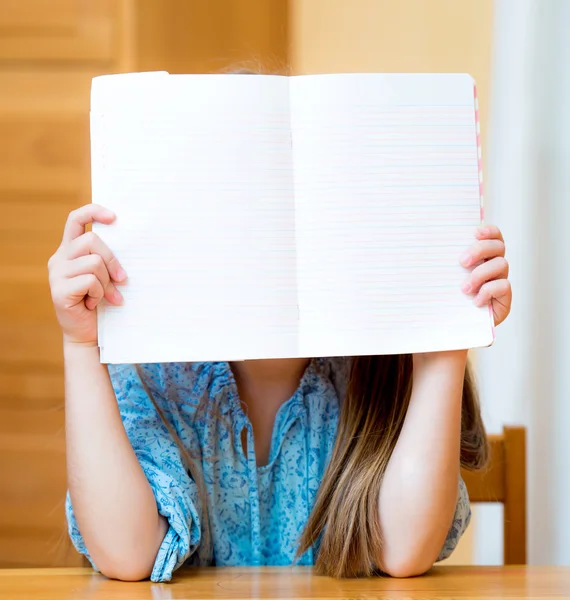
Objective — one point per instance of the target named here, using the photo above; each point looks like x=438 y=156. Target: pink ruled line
x=481 y=189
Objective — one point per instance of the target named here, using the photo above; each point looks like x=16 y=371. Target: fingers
x=496 y=268
x=489 y=232
x=483 y=250
x=84 y=265
x=80 y=217
x=93 y=264
x=91 y=243
x=85 y=286
x=499 y=294
x=82 y=272
x=497 y=289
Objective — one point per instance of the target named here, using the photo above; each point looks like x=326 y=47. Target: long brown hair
x=345 y=521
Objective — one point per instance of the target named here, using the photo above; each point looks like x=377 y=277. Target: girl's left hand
x=488 y=282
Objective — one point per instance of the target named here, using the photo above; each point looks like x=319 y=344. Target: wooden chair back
x=504 y=480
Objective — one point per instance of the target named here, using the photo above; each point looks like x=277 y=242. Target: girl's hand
x=81 y=274
x=488 y=282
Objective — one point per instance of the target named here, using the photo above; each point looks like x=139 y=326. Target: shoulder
x=153 y=397
x=129 y=380
x=185 y=382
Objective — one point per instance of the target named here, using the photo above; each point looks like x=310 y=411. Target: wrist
x=454 y=359
x=73 y=348
x=441 y=375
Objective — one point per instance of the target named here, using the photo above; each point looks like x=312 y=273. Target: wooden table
x=242 y=583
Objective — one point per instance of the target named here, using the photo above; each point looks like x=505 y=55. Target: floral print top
x=256 y=514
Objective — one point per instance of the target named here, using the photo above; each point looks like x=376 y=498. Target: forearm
x=419 y=491
x=111 y=497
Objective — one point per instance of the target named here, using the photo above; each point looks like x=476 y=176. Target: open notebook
x=267 y=216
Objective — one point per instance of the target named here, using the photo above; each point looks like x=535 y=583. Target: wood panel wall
x=49 y=51
x=199 y=36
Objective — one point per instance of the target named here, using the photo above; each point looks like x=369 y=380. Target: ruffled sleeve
x=159 y=455
x=461 y=520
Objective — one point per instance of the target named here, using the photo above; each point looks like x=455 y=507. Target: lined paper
x=281 y=217
x=199 y=172
x=387 y=199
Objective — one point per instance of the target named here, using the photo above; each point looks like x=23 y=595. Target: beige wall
x=329 y=36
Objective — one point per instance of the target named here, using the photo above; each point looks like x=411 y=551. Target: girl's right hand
x=82 y=272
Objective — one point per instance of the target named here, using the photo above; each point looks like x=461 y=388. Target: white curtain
x=525 y=377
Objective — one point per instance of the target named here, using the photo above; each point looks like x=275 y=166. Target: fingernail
x=485 y=231
x=117 y=296
x=477 y=300
x=465 y=260
x=466 y=287
x=121 y=275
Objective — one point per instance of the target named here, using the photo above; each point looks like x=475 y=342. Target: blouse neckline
x=295 y=404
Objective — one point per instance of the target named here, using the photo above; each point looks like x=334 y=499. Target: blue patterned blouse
x=256 y=513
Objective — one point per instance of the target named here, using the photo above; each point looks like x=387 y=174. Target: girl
x=350 y=464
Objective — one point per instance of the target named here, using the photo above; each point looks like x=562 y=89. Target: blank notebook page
x=281 y=217
x=387 y=194
x=198 y=170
